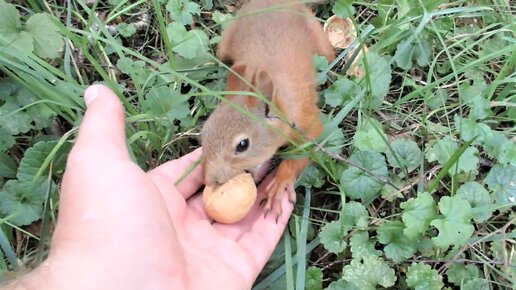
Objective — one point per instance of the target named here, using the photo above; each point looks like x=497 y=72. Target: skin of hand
x=122 y=228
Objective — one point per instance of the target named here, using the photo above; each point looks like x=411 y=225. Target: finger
x=101 y=133
x=183 y=173
x=265 y=234
x=196 y=210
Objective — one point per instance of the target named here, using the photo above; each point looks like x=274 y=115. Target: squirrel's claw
x=275 y=190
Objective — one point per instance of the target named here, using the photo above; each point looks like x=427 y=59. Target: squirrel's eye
x=242 y=146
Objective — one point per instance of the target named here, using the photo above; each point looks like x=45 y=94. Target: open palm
x=122 y=228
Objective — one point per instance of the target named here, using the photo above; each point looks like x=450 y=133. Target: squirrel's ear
x=263 y=83
x=233 y=82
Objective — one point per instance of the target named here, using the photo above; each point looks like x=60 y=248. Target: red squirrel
x=270 y=43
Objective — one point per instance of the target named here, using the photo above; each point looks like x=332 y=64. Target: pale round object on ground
x=340 y=31
x=231 y=201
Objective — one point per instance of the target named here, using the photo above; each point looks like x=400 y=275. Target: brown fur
x=272 y=48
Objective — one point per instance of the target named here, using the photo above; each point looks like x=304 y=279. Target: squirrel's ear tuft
x=233 y=82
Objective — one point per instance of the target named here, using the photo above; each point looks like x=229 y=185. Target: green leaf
x=136 y=69
x=458 y=274
x=321 y=66
x=444 y=149
x=422 y=52
x=496 y=145
x=340 y=92
x=126 y=30
x=437 y=99
x=406 y=154
x=34 y=159
x=478 y=197
x=507 y=153
x=11 y=28
x=501 y=180
x=21 y=203
x=475 y=284
x=341 y=284
x=313 y=278
x=417 y=214
x=332 y=237
x=369 y=273
x=390 y=191
x=13 y=120
x=362 y=246
x=354 y=214
x=380 y=74
x=7 y=166
x=469 y=129
x=7 y=140
x=472 y=96
x=10 y=23
x=222 y=19
x=188 y=44
x=403 y=55
x=398 y=246
x=334 y=141
x=182 y=10
x=423 y=277
x=359 y=184
x=167 y=102
x=48 y=42
x=311 y=176
x=455 y=228
x=412 y=49
x=370 y=136
x=41 y=115
x=343 y=8
x=426 y=247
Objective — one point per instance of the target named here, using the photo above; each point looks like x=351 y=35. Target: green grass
x=435 y=113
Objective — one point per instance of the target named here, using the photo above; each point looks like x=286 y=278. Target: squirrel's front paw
x=275 y=189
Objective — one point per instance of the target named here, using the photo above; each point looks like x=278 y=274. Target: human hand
x=122 y=228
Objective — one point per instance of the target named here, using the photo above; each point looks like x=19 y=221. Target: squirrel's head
x=241 y=134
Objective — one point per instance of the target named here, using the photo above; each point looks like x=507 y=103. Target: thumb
x=102 y=131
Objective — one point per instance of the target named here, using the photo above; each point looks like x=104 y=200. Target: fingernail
x=91 y=93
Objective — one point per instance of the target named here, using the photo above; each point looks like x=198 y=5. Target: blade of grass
x=301 y=239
